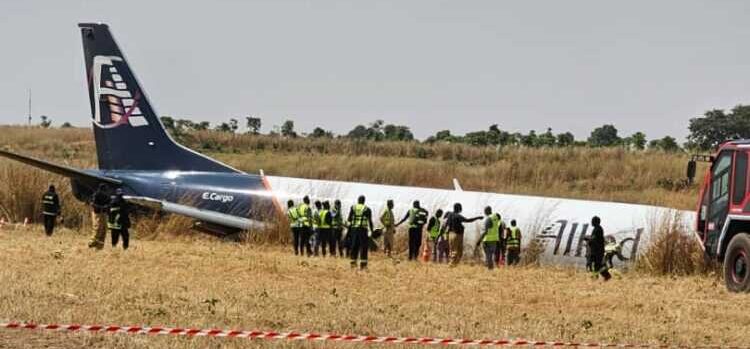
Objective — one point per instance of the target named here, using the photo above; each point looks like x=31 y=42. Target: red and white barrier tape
x=190 y=332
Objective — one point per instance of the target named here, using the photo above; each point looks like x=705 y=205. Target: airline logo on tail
x=112 y=94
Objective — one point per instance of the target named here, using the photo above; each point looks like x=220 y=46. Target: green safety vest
x=338 y=222
x=612 y=248
x=293 y=215
x=493 y=234
x=304 y=215
x=114 y=218
x=514 y=240
x=359 y=221
x=387 y=218
x=416 y=218
x=322 y=224
x=435 y=230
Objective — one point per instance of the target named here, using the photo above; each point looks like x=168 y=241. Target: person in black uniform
x=118 y=221
x=99 y=208
x=50 y=209
x=417 y=217
x=596 y=245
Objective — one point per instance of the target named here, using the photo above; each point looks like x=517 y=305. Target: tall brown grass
x=673 y=250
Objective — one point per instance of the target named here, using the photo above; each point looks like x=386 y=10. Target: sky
x=645 y=66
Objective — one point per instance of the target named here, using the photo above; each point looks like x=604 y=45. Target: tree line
x=604 y=136
x=706 y=132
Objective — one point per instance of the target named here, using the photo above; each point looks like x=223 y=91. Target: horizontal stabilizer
x=84 y=177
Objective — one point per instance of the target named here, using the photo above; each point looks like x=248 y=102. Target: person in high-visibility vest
x=360 y=225
x=305 y=216
x=338 y=228
x=316 y=226
x=439 y=251
x=513 y=244
x=325 y=223
x=294 y=225
x=50 y=209
x=389 y=227
x=417 y=217
x=118 y=221
x=490 y=237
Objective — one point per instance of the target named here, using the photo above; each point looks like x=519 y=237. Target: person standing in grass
x=513 y=244
x=417 y=217
x=454 y=223
x=99 y=203
x=338 y=228
x=389 y=229
x=294 y=225
x=316 y=227
x=305 y=216
x=433 y=231
x=50 y=209
x=324 y=229
x=118 y=221
x=360 y=224
x=597 y=248
x=490 y=237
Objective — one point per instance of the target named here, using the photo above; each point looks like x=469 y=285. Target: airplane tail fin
x=129 y=135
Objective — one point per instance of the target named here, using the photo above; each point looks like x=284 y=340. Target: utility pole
x=29 y=107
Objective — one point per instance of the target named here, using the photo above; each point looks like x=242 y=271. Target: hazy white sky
x=459 y=65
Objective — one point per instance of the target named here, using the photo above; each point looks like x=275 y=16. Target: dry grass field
x=175 y=278
x=204 y=283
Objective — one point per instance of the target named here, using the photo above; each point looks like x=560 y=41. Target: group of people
x=108 y=212
x=321 y=225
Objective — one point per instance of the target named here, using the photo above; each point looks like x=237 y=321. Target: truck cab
x=723 y=212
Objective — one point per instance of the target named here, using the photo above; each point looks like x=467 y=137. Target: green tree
x=637 y=141
x=202 y=126
x=604 y=136
x=45 y=121
x=716 y=127
x=319 y=132
x=253 y=124
x=287 y=129
x=66 y=125
x=547 y=139
x=529 y=140
x=565 y=139
x=667 y=144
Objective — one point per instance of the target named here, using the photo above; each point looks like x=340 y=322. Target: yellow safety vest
x=338 y=221
x=493 y=234
x=293 y=215
x=322 y=224
x=359 y=221
x=435 y=229
x=387 y=218
x=416 y=218
x=514 y=240
x=304 y=215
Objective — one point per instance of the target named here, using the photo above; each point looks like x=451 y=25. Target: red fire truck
x=723 y=212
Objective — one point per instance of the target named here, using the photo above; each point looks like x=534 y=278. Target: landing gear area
x=736 y=263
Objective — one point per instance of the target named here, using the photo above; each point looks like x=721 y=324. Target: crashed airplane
x=135 y=153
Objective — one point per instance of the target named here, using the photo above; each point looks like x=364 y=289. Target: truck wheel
x=737 y=264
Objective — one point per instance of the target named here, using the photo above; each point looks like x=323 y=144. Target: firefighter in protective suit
x=118 y=221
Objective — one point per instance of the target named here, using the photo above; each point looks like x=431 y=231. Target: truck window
x=720 y=181
x=740 y=178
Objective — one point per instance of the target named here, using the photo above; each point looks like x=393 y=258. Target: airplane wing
x=65 y=171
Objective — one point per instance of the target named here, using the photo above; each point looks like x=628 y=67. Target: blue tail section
x=128 y=132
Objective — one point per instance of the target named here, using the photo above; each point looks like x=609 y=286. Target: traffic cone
x=426 y=253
